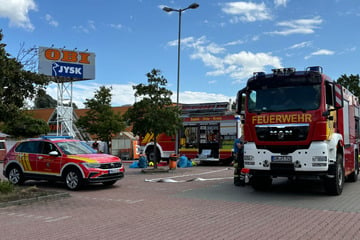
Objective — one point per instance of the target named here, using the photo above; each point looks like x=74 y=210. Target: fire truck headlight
x=319 y=158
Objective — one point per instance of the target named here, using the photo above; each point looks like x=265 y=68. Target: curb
x=35 y=199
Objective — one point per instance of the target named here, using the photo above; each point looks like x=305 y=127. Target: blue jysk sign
x=60 y=69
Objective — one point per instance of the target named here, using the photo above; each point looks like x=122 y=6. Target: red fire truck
x=208 y=134
x=299 y=124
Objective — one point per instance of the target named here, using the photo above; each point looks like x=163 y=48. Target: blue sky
x=222 y=42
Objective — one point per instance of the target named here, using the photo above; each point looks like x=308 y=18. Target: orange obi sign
x=64 y=63
x=281 y=119
x=67 y=56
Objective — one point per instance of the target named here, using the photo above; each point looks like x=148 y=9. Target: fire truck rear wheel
x=353 y=177
x=151 y=156
x=261 y=182
x=334 y=185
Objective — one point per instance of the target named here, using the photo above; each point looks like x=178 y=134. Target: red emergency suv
x=56 y=158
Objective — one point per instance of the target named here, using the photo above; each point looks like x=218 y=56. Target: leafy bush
x=6 y=187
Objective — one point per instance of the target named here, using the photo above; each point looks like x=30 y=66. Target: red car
x=56 y=158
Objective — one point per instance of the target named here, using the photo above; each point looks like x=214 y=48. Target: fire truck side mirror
x=240 y=100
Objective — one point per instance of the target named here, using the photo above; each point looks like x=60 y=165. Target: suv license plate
x=281 y=158
x=112 y=171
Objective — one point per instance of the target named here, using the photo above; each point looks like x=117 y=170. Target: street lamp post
x=167 y=9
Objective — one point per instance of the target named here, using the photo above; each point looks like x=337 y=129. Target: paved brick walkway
x=202 y=204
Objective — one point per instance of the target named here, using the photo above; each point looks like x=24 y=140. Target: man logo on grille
x=281 y=135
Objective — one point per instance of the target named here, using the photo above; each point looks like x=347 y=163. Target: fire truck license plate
x=281 y=158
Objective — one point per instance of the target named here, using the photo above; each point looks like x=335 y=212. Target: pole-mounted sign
x=64 y=63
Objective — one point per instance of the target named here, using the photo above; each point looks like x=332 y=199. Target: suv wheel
x=15 y=175
x=73 y=179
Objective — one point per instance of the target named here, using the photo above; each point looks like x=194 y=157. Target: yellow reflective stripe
x=89 y=160
x=147 y=138
x=24 y=159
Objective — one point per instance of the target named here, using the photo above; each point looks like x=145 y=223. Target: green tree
x=100 y=119
x=351 y=83
x=26 y=126
x=44 y=100
x=155 y=112
x=16 y=84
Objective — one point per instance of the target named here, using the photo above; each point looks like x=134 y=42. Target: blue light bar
x=56 y=137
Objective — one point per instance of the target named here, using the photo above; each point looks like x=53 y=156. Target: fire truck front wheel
x=151 y=156
x=335 y=182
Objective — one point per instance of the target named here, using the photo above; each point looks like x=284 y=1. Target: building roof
x=46 y=113
x=43 y=113
x=3 y=135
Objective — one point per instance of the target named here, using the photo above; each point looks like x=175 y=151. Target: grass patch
x=9 y=192
x=6 y=187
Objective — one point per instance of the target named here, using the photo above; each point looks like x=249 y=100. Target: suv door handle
x=40 y=157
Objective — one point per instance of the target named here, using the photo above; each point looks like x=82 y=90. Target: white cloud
x=250 y=62
x=90 y=26
x=320 y=52
x=116 y=26
x=17 y=12
x=211 y=81
x=51 y=20
x=238 y=66
x=203 y=97
x=232 y=43
x=123 y=94
x=299 y=26
x=301 y=45
x=279 y=3
x=347 y=50
x=246 y=11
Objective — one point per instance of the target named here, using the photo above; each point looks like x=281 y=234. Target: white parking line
x=35 y=217
x=172 y=180
x=57 y=219
x=113 y=200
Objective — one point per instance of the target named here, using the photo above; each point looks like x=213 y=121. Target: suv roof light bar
x=56 y=137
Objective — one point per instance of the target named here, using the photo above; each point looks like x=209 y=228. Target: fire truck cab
x=299 y=124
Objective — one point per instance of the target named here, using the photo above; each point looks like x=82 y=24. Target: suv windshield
x=73 y=148
x=285 y=98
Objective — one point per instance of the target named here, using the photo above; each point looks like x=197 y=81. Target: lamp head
x=167 y=9
x=193 y=6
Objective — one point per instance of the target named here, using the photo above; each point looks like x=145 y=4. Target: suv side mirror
x=54 y=153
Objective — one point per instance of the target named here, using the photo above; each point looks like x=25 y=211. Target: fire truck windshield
x=284 y=98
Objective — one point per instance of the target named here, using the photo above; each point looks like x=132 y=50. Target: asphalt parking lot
x=190 y=203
